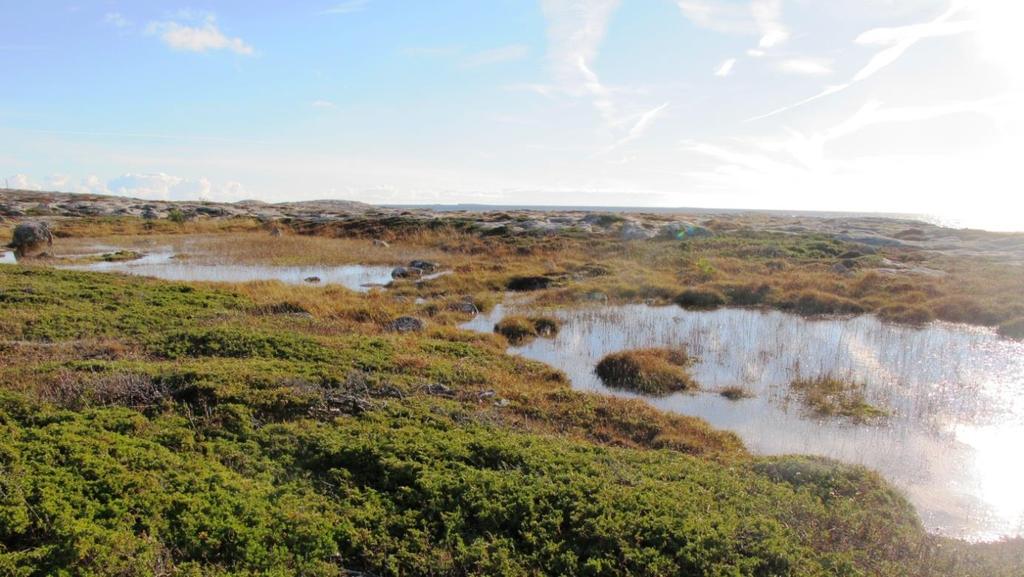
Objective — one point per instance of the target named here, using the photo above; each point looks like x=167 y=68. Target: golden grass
x=647 y=371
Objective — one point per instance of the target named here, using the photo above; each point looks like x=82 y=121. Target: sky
x=864 y=105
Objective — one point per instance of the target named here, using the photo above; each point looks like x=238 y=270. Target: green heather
x=152 y=428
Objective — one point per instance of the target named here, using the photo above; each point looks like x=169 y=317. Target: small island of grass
x=521 y=330
x=648 y=371
x=827 y=396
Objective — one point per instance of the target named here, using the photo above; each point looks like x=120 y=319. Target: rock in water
x=406 y=272
x=31 y=239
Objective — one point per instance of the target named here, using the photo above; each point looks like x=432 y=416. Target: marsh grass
x=521 y=330
x=828 y=396
x=647 y=371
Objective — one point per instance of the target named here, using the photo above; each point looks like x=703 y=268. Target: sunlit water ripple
x=956 y=394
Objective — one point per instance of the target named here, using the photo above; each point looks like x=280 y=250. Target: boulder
x=406 y=325
x=31 y=239
x=423 y=265
x=406 y=272
x=633 y=231
x=312 y=279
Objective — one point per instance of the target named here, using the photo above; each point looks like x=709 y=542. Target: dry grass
x=648 y=371
x=828 y=396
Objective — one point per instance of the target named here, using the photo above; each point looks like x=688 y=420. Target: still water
x=956 y=394
x=164 y=265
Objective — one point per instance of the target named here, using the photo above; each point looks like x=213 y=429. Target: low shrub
x=906 y=314
x=648 y=371
x=812 y=302
x=745 y=294
x=239 y=343
x=700 y=299
x=1012 y=329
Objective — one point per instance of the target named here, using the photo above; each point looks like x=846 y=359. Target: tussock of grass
x=520 y=330
x=828 y=396
x=648 y=371
x=735 y=393
x=700 y=299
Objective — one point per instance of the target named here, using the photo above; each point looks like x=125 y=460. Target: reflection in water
x=164 y=265
x=956 y=394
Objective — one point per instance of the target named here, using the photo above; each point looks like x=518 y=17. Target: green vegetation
x=698 y=298
x=828 y=396
x=153 y=428
x=520 y=330
x=648 y=371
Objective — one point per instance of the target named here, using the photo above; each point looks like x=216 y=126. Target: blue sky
x=901 y=105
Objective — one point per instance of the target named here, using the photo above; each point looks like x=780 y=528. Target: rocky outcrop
x=31 y=239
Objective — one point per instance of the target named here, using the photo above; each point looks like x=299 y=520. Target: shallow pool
x=166 y=266
x=956 y=394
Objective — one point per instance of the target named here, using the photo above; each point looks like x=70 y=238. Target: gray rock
x=31 y=238
x=406 y=325
x=466 y=307
x=380 y=243
x=423 y=265
x=406 y=272
x=633 y=231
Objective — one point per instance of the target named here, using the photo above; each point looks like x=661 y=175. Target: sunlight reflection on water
x=956 y=394
x=163 y=265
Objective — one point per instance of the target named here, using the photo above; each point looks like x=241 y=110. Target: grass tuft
x=647 y=371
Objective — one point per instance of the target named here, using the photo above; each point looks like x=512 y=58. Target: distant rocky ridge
x=361 y=219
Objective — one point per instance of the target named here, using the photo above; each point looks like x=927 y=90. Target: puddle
x=7 y=257
x=163 y=265
x=956 y=394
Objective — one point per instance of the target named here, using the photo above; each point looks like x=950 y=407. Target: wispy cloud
x=757 y=18
x=897 y=42
x=725 y=68
x=806 y=66
x=768 y=16
x=201 y=37
x=576 y=29
x=510 y=53
x=347 y=7
x=322 y=104
x=643 y=122
x=116 y=19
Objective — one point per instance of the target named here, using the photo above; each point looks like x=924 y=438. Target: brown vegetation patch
x=648 y=371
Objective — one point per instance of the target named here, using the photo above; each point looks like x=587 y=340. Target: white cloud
x=117 y=20
x=347 y=7
x=768 y=16
x=806 y=66
x=759 y=17
x=161 y=186
x=643 y=122
x=725 y=68
x=21 y=182
x=508 y=53
x=576 y=29
x=203 y=36
x=322 y=104
x=898 y=41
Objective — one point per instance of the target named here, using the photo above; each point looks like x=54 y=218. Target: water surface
x=164 y=265
x=956 y=395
